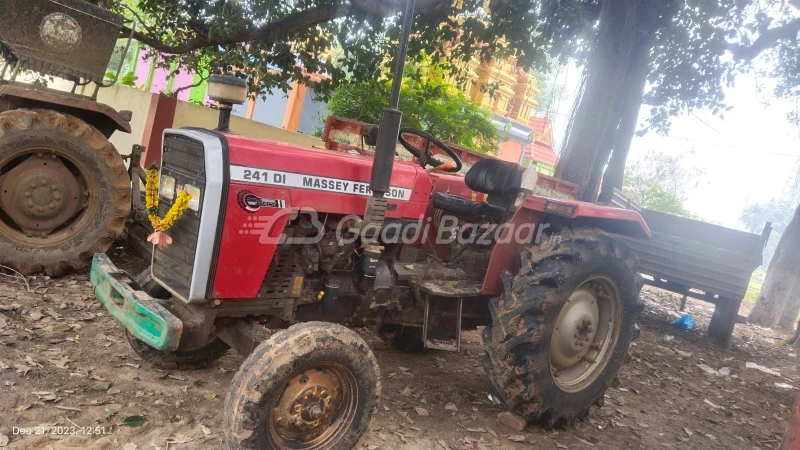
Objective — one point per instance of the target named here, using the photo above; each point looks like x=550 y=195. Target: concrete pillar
x=294 y=106
x=159 y=118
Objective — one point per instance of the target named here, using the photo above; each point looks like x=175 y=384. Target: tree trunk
x=593 y=185
x=606 y=68
x=792 y=309
x=630 y=105
x=653 y=15
x=779 y=301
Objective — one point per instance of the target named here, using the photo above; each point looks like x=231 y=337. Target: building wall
x=510 y=151
x=161 y=77
x=138 y=102
x=191 y=115
x=546 y=169
x=272 y=109
x=313 y=116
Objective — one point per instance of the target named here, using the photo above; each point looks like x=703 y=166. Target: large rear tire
x=562 y=327
x=312 y=386
x=64 y=192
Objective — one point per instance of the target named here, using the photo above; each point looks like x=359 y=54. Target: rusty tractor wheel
x=183 y=359
x=64 y=191
x=312 y=386
x=561 y=329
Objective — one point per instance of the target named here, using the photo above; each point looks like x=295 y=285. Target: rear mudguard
x=103 y=117
x=530 y=223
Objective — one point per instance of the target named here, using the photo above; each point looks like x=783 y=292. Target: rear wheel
x=312 y=386
x=64 y=191
x=561 y=329
x=184 y=359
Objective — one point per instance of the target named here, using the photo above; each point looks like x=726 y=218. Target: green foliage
x=652 y=195
x=128 y=79
x=428 y=102
x=699 y=45
x=276 y=41
x=755 y=215
x=659 y=183
x=550 y=92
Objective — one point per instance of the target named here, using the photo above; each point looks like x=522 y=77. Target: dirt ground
x=64 y=364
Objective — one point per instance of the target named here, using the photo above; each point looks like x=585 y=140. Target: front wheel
x=312 y=386
x=562 y=327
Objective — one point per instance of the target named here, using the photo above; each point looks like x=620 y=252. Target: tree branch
x=268 y=34
x=767 y=40
x=271 y=33
x=191 y=86
x=387 y=8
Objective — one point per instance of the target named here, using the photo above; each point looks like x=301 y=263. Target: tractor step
x=451 y=288
x=453 y=344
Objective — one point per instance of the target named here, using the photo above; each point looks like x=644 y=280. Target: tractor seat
x=466 y=209
x=501 y=180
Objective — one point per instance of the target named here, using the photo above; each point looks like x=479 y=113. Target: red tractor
x=295 y=240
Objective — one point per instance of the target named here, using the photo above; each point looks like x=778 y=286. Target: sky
x=748 y=157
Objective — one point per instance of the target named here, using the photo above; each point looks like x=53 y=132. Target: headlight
x=167 y=188
x=194 y=202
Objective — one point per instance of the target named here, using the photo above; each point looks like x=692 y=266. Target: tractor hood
x=326 y=181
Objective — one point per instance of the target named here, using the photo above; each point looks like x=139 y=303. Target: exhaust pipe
x=388 y=131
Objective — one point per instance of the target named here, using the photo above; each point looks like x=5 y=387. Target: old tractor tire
x=59 y=175
x=189 y=359
x=312 y=386
x=562 y=327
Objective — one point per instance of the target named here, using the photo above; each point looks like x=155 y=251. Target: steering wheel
x=426 y=157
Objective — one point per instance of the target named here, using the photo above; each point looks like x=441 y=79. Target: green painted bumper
x=140 y=313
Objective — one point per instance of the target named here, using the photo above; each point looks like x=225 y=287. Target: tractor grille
x=183 y=159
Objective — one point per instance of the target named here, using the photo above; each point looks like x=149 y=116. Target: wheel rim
x=317 y=407
x=44 y=196
x=585 y=334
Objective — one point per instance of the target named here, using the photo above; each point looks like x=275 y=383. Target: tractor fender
x=614 y=220
x=103 y=117
x=538 y=213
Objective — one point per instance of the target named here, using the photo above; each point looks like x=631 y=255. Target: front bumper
x=144 y=317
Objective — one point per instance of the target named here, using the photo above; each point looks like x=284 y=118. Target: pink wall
x=160 y=78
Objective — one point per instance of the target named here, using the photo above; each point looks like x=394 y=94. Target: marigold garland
x=151 y=202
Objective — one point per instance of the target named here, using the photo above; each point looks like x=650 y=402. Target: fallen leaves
x=705 y=368
x=209 y=395
x=134 y=421
x=68 y=408
x=421 y=411
x=45 y=396
x=767 y=370
x=61 y=363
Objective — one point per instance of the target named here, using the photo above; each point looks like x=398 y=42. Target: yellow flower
x=151 y=190
x=151 y=202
